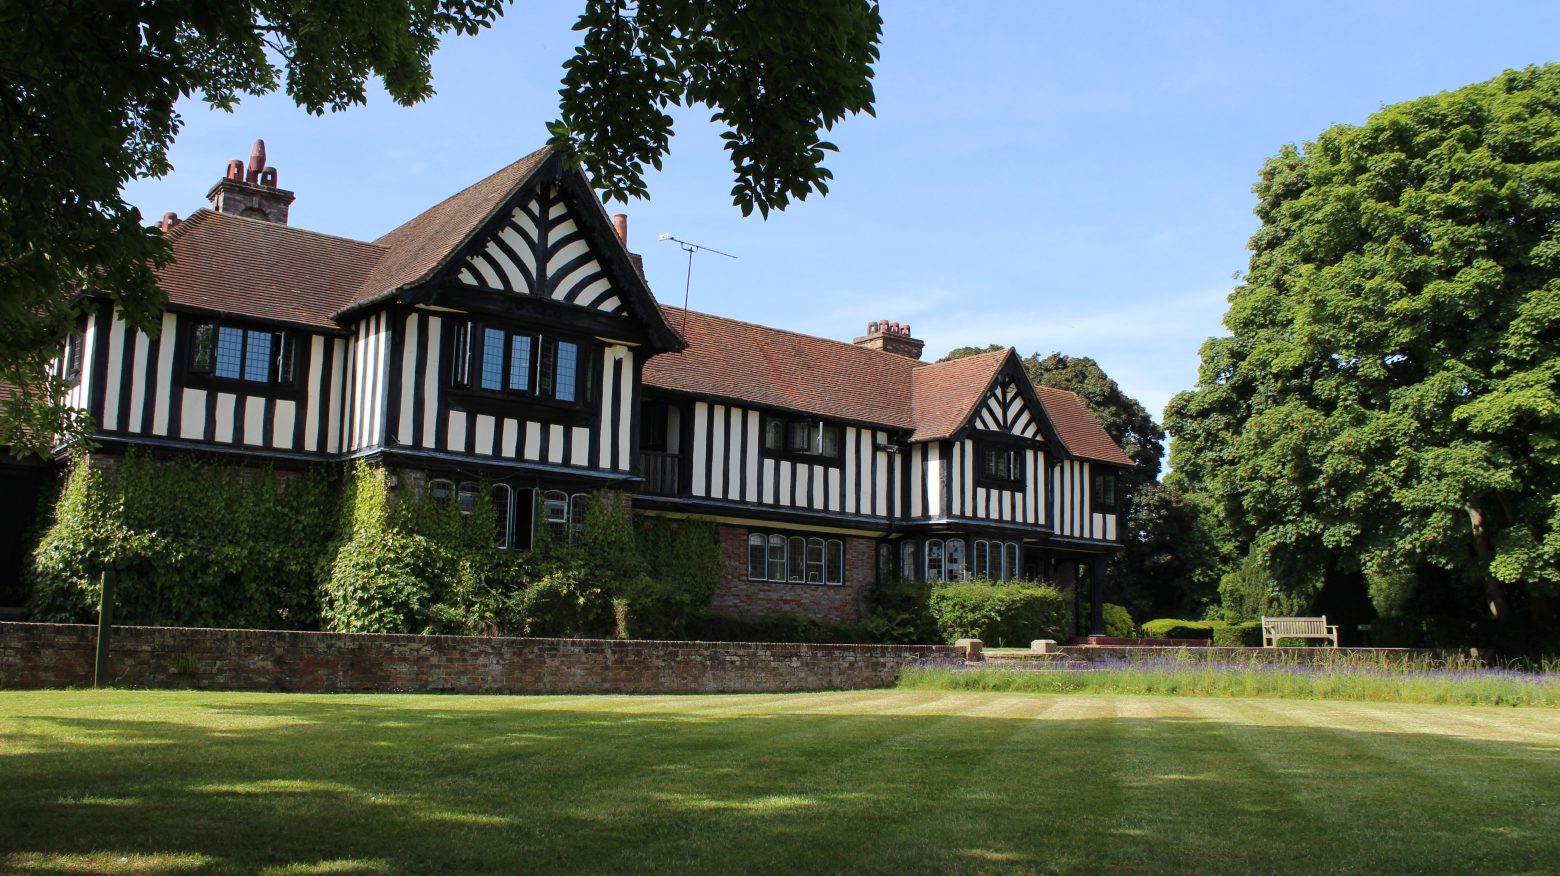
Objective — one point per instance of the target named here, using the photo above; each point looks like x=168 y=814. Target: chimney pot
x=170 y=221
x=251 y=190
x=256 y=162
x=620 y=224
x=890 y=337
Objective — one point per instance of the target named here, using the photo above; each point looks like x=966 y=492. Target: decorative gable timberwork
x=542 y=248
x=1006 y=409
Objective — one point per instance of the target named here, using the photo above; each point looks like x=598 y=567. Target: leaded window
x=241 y=354
x=555 y=511
x=814 y=561
x=795 y=559
x=954 y=559
x=777 y=558
x=758 y=557
x=934 y=559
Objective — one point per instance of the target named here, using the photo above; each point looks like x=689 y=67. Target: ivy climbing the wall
x=193 y=543
x=413 y=565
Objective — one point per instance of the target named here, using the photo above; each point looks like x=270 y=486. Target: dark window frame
x=785 y=429
x=282 y=378
x=1104 y=492
x=988 y=452
x=780 y=549
x=466 y=361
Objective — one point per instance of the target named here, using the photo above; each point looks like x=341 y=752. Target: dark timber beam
x=1097 y=597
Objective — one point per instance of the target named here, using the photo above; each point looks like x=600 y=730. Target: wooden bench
x=1275 y=628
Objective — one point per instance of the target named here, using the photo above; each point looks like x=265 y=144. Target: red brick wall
x=845 y=603
x=61 y=655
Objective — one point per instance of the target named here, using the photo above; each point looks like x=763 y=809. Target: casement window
x=565 y=514
x=802 y=437
x=72 y=363
x=1103 y=496
x=907 y=566
x=795 y=559
x=995 y=559
x=1001 y=466
x=945 y=559
x=513 y=509
x=493 y=360
x=237 y=353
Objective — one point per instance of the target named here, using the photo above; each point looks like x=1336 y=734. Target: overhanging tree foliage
x=88 y=92
x=1386 y=402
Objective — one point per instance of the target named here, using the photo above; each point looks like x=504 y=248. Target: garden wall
x=61 y=655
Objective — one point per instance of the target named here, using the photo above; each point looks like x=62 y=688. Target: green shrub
x=1118 y=622
x=901 y=613
x=1170 y=628
x=999 y=614
x=711 y=627
x=1241 y=635
x=192 y=543
x=414 y=565
x=682 y=566
x=564 y=604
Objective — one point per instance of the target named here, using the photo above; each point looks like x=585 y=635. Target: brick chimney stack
x=251 y=191
x=890 y=337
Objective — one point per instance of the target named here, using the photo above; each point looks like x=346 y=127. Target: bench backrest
x=1295 y=626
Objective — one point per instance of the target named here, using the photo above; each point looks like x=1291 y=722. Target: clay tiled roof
x=421 y=246
x=945 y=394
x=263 y=270
x=766 y=366
x=1078 y=428
x=740 y=361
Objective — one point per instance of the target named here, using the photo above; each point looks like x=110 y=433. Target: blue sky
x=1067 y=177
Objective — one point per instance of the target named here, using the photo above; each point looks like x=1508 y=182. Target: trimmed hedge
x=710 y=627
x=1170 y=628
x=1118 y=621
x=999 y=614
x=1241 y=635
x=1224 y=635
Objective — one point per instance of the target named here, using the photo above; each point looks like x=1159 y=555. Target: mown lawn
x=900 y=781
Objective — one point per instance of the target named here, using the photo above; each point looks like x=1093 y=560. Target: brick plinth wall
x=842 y=603
x=61 y=655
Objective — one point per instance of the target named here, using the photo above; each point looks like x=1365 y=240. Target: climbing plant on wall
x=193 y=543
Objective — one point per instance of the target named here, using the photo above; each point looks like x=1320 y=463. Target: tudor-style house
x=507 y=336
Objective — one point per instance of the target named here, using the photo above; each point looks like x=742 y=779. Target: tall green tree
x=88 y=90
x=1386 y=406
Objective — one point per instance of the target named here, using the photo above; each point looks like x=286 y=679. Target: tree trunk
x=1484 y=546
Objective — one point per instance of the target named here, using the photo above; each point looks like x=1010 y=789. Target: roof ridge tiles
x=267 y=225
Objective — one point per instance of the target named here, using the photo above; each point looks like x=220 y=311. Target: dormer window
x=239 y=353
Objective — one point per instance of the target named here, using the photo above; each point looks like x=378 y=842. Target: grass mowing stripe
x=1364 y=816
x=1001 y=814
x=898 y=781
x=867 y=772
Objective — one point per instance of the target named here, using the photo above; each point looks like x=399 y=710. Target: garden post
x=1097 y=597
x=105 y=613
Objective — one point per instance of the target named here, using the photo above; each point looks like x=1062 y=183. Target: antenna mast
x=690 y=249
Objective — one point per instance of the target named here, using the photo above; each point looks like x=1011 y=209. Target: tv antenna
x=690 y=249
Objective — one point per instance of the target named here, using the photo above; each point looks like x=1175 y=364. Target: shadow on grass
x=1011 y=784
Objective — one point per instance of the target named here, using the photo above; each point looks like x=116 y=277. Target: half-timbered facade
x=507 y=336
